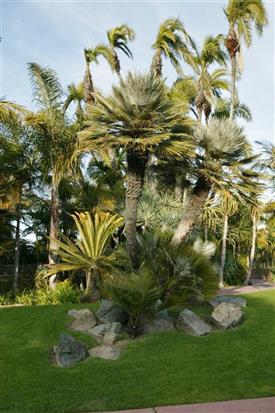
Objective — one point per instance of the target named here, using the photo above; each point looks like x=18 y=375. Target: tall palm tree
x=229 y=206
x=173 y=43
x=118 y=38
x=54 y=140
x=75 y=95
x=222 y=156
x=139 y=117
x=255 y=216
x=241 y=16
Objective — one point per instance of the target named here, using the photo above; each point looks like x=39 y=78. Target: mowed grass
x=164 y=369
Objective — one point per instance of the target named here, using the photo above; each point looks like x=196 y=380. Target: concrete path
x=264 y=405
x=257 y=285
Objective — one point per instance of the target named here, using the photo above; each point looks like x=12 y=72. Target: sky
x=54 y=33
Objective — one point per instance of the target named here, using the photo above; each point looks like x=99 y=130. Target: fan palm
x=139 y=117
x=54 y=139
x=241 y=15
x=89 y=252
x=173 y=43
x=220 y=164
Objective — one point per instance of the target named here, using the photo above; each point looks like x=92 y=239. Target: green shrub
x=26 y=297
x=6 y=299
x=65 y=293
x=234 y=270
x=137 y=294
x=44 y=296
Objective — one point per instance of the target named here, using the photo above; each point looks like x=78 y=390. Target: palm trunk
x=252 y=251
x=233 y=86
x=178 y=187
x=192 y=211
x=54 y=225
x=17 y=242
x=223 y=254
x=137 y=163
x=88 y=87
x=91 y=285
x=156 y=65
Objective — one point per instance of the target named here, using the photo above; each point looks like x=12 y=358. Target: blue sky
x=54 y=33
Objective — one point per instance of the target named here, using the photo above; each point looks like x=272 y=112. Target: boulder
x=226 y=315
x=84 y=320
x=110 y=312
x=238 y=301
x=69 y=351
x=99 y=331
x=160 y=323
x=192 y=324
x=109 y=338
x=105 y=352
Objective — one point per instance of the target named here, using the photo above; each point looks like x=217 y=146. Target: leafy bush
x=6 y=299
x=137 y=294
x=26 y=297
x=183 y=273
x=65 y=293
x=234 y=270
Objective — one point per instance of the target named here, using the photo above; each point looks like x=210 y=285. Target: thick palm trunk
x=91 y=285
x=178 y=187
x=88 y=87
x=54 y=225
x=137 y=163
x=252 y=251
x=192 y=210
x=156 y=65
x=223 y=253
x=17 y=243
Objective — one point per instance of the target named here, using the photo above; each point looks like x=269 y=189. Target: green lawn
x=164 y=369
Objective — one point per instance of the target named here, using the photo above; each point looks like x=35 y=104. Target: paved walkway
x=265 y=405
x=257 y=285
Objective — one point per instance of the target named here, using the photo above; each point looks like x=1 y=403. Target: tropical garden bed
x=160 y=369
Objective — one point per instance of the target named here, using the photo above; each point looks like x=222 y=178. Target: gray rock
x=160 y=323
x=69 y=351
x=110 y=312
x=192 y=324
x=105 y=352
x=84 y=320
x=98 y=331
x=239 y=301
x=109 y=338
x=226 y=315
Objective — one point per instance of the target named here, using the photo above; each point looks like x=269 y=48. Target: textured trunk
x=88 y=87
x=252 y=251
x=192 y=210
x=156 y=65
x=17 y=242
x=137 y=163
x=223 y=254
x=54 y=225
x=178 y=187
x=91 y=285
x=233 y=46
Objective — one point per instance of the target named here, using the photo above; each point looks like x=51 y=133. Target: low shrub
x=234 y=271
x=26 y=297
x=7 y=298
x=65 y=293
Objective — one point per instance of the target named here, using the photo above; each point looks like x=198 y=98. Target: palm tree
x=209 y=85
x=89 y=252
x=241 y=15
x=173 y=43
x=75 y=95
x=10 y=111
x=54 y=140
x=241 y=110
x=139 y=117
x=222 y=154
x=255 y=215
x=118 y=38
x=229 y=206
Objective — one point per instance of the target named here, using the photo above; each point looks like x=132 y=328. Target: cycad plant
x=139 y=117
x=241 y=16
x=90 y=251
x=173 y=43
